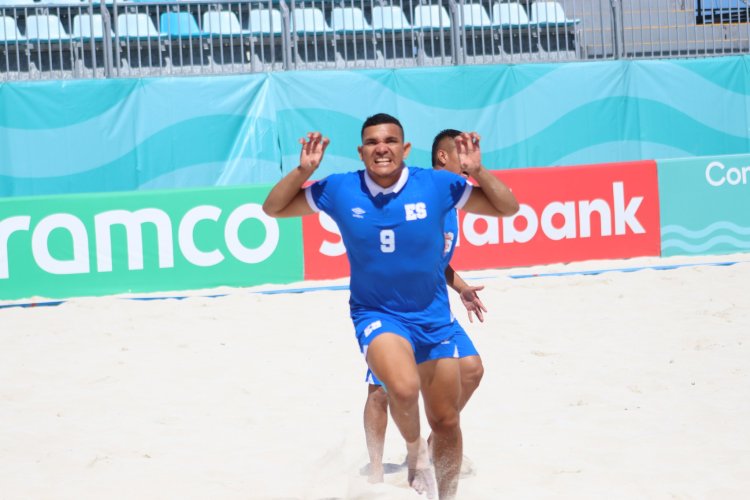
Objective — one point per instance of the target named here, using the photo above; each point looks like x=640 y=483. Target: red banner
x=567 y=214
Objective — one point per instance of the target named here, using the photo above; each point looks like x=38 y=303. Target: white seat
x=431 y=16
x=88 y=26
x=222 y=23
x=475 y=15
x=510 y=15
x=349 y=19
x=309 y=20
x=46 y=27
x=265 y=21
x=136 y=25
x=9 y=30
x=550 y=13
x=390 y=18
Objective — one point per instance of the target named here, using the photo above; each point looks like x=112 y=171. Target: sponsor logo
x=560 y=220
x=717 y=174
x=372 y=327
x=133 y=222
x=358 y=213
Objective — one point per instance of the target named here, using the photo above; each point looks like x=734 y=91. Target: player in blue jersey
x=444 y=156
x=391 y=219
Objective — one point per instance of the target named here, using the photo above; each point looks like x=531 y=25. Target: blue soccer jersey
x=395 y=240
x=451 y=236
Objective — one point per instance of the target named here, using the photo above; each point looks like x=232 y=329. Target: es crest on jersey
x=415 y=211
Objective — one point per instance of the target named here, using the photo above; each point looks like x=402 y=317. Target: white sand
x=617 y=386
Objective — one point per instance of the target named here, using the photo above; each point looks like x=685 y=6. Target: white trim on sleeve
x=464 y=197
x=310 y=201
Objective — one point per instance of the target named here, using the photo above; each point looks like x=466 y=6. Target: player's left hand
x=469 y=152
x=472 y=303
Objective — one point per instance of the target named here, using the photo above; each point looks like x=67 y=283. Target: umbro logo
x=358 y=213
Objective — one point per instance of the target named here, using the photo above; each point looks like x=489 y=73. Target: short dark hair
x=380 y=119
x=449 y=132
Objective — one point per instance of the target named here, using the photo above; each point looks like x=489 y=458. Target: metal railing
x=61 y=39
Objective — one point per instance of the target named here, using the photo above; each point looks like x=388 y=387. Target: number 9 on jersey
x=387 y=241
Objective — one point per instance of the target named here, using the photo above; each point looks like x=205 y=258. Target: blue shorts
x=461 y=343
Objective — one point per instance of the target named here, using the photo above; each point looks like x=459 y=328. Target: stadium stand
x=120 y=37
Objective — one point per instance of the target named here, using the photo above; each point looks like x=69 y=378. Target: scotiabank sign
x=605 y=211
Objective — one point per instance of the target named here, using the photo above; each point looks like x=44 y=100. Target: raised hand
x=469 y=153
x=472 y=303
x=313 y=148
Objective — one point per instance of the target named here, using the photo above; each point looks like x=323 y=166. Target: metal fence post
x=286 y=35
x=458 y=46
x=106 y=42
x=617 y=27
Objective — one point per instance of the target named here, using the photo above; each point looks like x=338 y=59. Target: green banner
x=705 y=205
x=64 y=246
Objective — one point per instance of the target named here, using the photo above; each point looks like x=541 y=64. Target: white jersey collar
x=376 y=189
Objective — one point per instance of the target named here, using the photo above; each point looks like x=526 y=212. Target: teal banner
x=705 y=205
x=165 y=133
x=64 y=246
x=125 y=135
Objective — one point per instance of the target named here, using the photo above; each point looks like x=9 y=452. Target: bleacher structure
x=125 y=38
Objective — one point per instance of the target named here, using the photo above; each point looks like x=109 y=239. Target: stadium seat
x=9 y=30
x=349 y=19
x=550 y=14
x=45 y=27
x=136 y=26
x=88 y=26
x=475 y=16
x=224 y=23
x=390 y=18
x=265 y=21
x=309 y=20
x=430 y=17
x=510 y=15
x=179 y=25
x=356 y=43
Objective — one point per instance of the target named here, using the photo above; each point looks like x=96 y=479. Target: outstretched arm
x=492 y=197
x=287 y=198
x=467 y=293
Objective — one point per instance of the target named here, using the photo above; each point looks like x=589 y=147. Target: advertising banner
x=605 y=211
x=705 y=205
x=63 y=246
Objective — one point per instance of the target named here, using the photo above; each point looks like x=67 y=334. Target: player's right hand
x=313 y=148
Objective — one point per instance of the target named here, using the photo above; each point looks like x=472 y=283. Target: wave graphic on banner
x=75 y=137
x=707 y=238
x=183 y=145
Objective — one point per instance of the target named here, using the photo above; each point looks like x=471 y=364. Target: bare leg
x=472 y=371
x=471 y=374
x=376 y=420
x=391 y=358
x=441 y=389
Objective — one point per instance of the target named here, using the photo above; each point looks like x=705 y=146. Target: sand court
x=614 y=385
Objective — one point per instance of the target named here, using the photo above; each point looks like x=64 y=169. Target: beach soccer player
x=375 y=415
x=391 y=219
